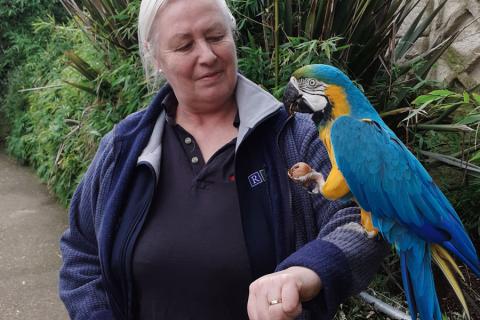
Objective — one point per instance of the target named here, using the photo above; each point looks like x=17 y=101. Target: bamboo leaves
x=369 y=45
x=110 y=20
x=435 y=113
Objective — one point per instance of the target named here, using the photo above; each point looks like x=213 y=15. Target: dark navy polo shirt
x=190 y=260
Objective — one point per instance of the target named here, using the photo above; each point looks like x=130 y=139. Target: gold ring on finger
x=274 y=302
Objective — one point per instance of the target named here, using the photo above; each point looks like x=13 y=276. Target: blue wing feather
x=407 y=284
x=387 y=180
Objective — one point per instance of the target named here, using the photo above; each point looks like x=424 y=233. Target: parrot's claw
x=366 y=221
x=371 y=234
x=315 y=190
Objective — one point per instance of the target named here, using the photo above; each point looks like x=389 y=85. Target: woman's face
x=194 y=47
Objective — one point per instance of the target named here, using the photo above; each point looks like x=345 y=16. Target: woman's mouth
x=211 y=76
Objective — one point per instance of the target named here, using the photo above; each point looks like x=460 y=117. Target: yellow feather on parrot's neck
x=335 y=186
x=324 y=135
x=338 y=99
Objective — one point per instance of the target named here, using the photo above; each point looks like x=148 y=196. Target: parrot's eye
x=312 y=83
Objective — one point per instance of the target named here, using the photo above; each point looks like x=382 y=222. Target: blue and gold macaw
x=396 y=194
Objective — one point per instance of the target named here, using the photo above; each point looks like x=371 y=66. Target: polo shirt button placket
x=194 y=160
x=188 y=140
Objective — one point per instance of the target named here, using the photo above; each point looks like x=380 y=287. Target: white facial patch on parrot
x=315 y=101
x=313 y=93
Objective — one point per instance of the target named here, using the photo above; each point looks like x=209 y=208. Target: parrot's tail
x=446 y=263
x=418 y=282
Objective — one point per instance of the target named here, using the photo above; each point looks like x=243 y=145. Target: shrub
x=56 y=126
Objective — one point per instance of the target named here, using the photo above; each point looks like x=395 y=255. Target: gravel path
x=31 y=223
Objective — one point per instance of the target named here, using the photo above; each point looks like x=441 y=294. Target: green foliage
x=68 y=86
x=55 y=126
x=366 y=32
x=443 y=121
x=16 y=18
x=297 y=52
x=110 y=21
x=16 y=40
x=443 y=129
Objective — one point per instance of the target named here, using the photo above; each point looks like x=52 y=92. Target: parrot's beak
x=293 y=100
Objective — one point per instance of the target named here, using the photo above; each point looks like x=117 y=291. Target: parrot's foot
x=366 y=220
x=371 y=234
x=310 y=179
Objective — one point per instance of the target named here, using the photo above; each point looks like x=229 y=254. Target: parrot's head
x=318 y=89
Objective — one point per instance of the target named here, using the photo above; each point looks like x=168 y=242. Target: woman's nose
x=206 y=54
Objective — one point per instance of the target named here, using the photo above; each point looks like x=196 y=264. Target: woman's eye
x=184 y=47
x=215 y=38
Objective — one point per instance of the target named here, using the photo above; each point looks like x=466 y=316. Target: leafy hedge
x=55 y=126
x=16 y=17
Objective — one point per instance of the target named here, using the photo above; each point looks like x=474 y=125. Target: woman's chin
x=215 y=94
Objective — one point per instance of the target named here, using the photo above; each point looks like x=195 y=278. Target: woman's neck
x=212 y=128
x=204 y=117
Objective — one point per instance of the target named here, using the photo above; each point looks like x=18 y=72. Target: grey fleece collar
x=153 y=151
x=254 y=104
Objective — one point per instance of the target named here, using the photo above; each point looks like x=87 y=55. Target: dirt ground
x=31 y=223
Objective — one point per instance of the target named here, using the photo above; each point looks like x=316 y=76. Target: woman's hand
x=279 y=295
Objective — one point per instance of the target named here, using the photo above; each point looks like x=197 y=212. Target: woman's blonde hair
x=146 y=18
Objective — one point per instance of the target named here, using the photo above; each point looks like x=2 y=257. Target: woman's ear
x=149 y=49
x=157 y=64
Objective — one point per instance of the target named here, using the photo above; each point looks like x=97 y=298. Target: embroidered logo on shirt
x=257 y=178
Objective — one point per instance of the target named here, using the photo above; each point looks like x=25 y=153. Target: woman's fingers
x=251 y=304
x=274 y=297
x=273 y=293
x=263 y=292
x=291 y=304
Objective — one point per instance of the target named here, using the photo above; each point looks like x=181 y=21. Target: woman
x=186 y=211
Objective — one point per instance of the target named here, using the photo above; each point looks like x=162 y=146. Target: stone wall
x=460 y=64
